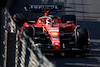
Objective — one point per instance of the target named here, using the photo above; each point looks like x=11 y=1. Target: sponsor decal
x=43 y=29
x=53 y=30
x=54 y=33
x=43 y=6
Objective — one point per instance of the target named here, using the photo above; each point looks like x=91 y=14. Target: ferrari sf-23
x=56 y=33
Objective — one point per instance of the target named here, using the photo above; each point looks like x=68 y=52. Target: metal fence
x=18 y=52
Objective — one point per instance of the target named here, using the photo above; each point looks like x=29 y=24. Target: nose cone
x=54 y=35
x=56 y=47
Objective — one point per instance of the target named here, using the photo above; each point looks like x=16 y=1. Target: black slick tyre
x=83 y=39
x=29 y=31
x=20 y=19
x=66 y=18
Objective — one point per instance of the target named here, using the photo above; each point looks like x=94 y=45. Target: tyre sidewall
x=82 y=40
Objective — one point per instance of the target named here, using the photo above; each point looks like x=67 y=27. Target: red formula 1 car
x=57 y=33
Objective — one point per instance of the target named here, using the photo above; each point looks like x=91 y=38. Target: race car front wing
x=64 y=48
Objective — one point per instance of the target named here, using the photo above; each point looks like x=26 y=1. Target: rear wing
x=43 y=8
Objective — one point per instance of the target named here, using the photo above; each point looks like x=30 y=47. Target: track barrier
x=17 y=52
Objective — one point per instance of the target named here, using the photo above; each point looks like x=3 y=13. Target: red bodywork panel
x=54 y=29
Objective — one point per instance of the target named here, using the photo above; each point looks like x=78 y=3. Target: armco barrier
x=18 y=52
x=3 y=31
x=30 y=55
x=8 y=39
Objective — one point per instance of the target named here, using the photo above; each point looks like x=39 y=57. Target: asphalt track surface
x=88 y=16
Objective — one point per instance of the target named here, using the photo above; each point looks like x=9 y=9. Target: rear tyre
x=20 y=19
x=66 y=18
x=83 y=39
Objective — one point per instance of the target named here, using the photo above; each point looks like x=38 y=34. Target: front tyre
x=29 y=31
x=83 y=39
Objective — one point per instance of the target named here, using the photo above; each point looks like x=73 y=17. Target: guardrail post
x=11 y=50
